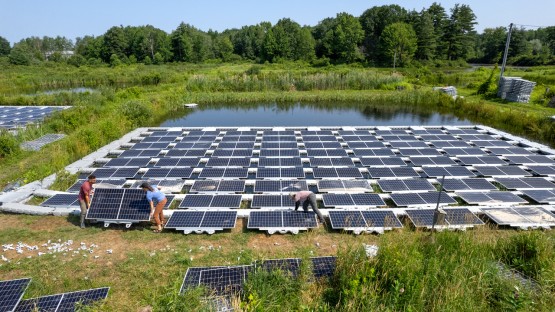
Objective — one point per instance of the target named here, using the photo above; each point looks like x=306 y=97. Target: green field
x=413 y=271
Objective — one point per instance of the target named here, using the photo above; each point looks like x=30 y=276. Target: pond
x=306 y=114
x=74 y=90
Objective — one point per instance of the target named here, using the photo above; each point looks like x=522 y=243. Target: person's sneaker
x=82 y=225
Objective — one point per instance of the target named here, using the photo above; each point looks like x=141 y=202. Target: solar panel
x=436 y=172
x=204 y=186
x=405 y=185
x=359 y=152
x=418 y=152
x=444 y=144
x=416 y=199
x=423 y=218
x=219 y=219
x=299 y=219
x=392 y=172
x=293 y=186
x=265 y=186
x=106 y=203
x=323 y=266
x=537 y=215
x=226 y=201
x=265 y=219
x=185 y=219
x=492 y=143
x=324 y=173
x=509 y=216
x=11 y=292
x=265 y=173
x=530 y=160
x=364 y=145
x=420 y=161
x=212 y=173
x=231 y=186
x=71 y=301
x=543 y=170
x=407 y=144
x=452 y=185
x=470 y=151
x=381 y=218
x=224 y=281
x=61 y=200
x=156 y=173
x=289 y=266
x=504 y=151
x=525 y=183
x=191 y=278
x=134 y=206
x=366 y=199
x=490 y=198
x=236 y=173
x=480 y=160
x=196 y=201
x=346 y=219
x=382 y=161
x=502 y=171
x=266 y=201
x=461 y=216
x=541 y=196
x=181 y=173
x=337 y=200
x=348 y=173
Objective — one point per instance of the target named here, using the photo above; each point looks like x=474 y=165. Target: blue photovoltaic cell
x=265 y=219
x=461 y=216
x=224 y=281
x=299 y=219
x=262 y=173
x=337 y=200
x=543 y=170
x=381 y=218
x=541 y=196
x=323 y=266
x=236 y=173
x=366 y=199
x=196 y=201
x=226 y=201
x=105 y=204
x=264 y=201
x=188 y=219
x=502 y=171
x=346 y=219
x=231 y=186
x=61 y=200
x=67 y=302
x=267 y=186
x=423 y=217
x=11 y=292
x=134 y=206
x=291 y=162
x=219 y=219
x=289 y=266
x=212 y=173
x=269 y=162
x=525 y=183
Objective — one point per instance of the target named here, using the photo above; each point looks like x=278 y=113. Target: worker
x=307 y=198
x=153 y=193
x=85 y=193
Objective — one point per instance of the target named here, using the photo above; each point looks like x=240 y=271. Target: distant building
x=64 y=54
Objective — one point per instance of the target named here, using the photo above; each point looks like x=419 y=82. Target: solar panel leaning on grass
x=11 y=292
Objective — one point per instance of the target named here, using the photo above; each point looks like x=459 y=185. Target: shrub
x=8 y=144
x=137 y=112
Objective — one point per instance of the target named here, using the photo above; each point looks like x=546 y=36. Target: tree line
x=382 y=36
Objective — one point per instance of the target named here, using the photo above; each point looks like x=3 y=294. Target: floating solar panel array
x=369 y=221
x=12 y=117
x=221 y=167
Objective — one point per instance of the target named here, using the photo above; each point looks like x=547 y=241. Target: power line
x=535 y=26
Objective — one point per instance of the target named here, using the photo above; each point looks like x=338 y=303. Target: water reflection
x=309 y=114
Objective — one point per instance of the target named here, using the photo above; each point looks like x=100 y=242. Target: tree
x=4 y=47
x=373 y=22
x=460 y=32
x=223 y=47
x=399 y=42
x=20 y=55
x=440 y=20
x=181 y=43
x=492 y=44
x=424 y=29
x=341 y=41
x=115 y=42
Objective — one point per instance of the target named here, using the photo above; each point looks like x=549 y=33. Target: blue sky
x=74 y=18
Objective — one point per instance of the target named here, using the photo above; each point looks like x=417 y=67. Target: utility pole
x=506 y=51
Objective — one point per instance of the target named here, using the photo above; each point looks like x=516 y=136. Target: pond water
x=304 y=115
x=74 y=90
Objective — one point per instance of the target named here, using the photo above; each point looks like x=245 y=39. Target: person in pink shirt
x=85 y=193
x=307 y=198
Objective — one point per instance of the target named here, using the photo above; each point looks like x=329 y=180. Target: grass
x=413 y=271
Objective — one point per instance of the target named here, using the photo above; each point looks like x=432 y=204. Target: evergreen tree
x=460 y=32
x=424 y=29
x=399 y=42
x=4 y=47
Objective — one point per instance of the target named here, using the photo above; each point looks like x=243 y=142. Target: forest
x=387 y=35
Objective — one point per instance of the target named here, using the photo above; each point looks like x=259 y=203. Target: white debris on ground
x=50 y=248
x=371 y=250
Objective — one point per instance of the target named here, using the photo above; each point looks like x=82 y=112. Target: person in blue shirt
x=154 y=194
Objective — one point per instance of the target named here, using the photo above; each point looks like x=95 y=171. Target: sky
x=76 y=18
